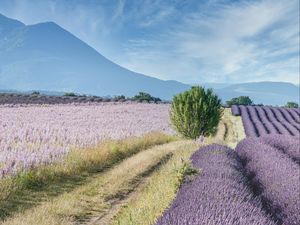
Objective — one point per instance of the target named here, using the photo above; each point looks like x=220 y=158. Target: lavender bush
x=219 y=195
x=249 y=126
x=262 y=128
x=276 y=177
x=235 y=110
x=285 y=143
x=34 y=135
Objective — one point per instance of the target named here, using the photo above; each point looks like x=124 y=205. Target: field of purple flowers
x=219 y=195
x=33 y=135
x=262 y=120
x=257 y=183
x=274 y=174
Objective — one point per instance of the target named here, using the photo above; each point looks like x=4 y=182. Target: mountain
x=44 y=56
x=271 y=93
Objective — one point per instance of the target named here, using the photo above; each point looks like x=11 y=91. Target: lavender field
x=274 y=174
x=262 y=120
x=219 y=195
x=257 y=183
x=33 y=135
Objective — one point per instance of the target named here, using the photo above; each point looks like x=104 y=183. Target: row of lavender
x=275 y=175
x=219 y=195
x=262 y=120
x=258 y=183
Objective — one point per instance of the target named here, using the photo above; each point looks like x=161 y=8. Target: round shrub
x=196 y=112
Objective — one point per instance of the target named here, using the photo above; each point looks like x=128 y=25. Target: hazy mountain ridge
x=45 y=56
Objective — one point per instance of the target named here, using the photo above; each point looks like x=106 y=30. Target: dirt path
x=139 y=183
x=97 y=201
x=118 y=204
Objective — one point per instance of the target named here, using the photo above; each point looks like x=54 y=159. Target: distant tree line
x=140 y=97
x=245 y=100
x=35 y=97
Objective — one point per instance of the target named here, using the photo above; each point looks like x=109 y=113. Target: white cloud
x=232 y=43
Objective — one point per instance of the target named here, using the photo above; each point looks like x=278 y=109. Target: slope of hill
x=47 y=57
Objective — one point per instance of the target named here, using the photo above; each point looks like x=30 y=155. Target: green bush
x=142 y=96
x=291 y=105
x=242 y=100
x=196 y=112
x=35 y=93
x=70 y=94
x=119 y=98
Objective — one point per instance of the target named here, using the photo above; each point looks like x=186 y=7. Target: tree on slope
x=196 y=112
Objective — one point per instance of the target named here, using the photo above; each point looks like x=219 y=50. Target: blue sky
x=191 y=41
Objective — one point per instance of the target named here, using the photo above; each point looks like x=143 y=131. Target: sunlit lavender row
x=35 y=135
x=219 y=195
x=276 y=176
x=285 y=143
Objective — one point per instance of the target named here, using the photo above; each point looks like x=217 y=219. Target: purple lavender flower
x=219 y=195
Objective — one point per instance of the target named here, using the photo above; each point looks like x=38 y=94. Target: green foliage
x=119 y=98
x=196 y=112
x=186 y=171
x=70 y=94
x=291 y=105
x=142 y=96
x=35 y=93
x=242 y=100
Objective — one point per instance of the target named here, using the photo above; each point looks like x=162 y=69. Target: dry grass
x=235 y=128
x=96 y=197
x=230 y=130
x=78 y=166
x=160 y=190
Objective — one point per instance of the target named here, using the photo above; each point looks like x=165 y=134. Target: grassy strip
x=96 y=198
x=74 y=170
x=235 y=129
x=230 y=130
x=220 y=135
x=160 y=191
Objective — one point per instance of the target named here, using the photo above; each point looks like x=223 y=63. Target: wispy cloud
x=191 y=41
x=231 y=43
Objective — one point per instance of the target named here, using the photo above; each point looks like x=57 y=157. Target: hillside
x=46 y=57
